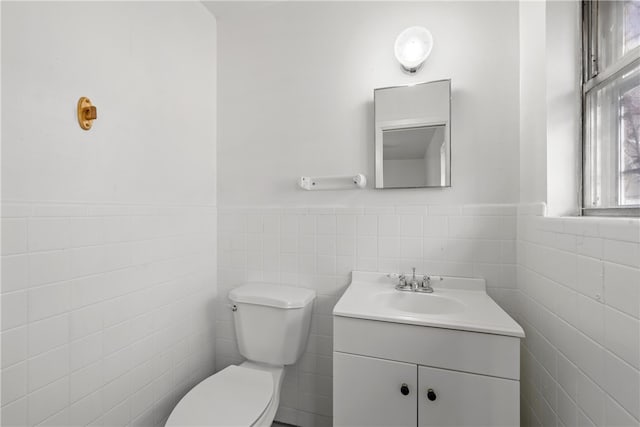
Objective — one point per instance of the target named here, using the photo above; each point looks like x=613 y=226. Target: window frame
x=592 y=79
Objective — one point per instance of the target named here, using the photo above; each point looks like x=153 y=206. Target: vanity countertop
x=457 y=303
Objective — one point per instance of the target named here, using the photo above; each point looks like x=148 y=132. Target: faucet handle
x=401 y=278
x=425 y=286
x=402 y=284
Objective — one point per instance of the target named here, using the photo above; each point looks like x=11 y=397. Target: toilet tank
x=272 y=321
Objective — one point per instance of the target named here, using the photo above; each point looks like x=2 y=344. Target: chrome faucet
x=414 y=284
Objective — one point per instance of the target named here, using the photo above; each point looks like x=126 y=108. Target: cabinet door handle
x=431 y=395
x=404 y=389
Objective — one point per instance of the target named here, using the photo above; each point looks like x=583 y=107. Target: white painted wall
x=533 y=119
x=296 y=97
x=108 y=236
x=152 y=79
x=550 y=105
x=563 y=55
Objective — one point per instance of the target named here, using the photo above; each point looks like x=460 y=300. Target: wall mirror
x=413 y=135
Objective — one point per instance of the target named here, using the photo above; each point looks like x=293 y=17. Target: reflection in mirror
x=413 y=136
x=414 y=157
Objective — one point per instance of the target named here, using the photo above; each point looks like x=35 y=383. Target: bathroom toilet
x=272 y=326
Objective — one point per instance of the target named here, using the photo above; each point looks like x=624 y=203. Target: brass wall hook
x=87 y=113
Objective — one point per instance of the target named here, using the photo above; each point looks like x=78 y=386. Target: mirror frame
x=407 y=123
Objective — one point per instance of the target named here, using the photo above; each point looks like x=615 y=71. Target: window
x=611 y=107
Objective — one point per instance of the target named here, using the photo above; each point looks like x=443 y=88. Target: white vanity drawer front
x=450 y=398
x=488 y=354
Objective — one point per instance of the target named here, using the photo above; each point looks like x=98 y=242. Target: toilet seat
x=235 y=396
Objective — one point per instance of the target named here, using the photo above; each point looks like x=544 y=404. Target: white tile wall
x=319 y=247
x=107 y=315
x=579 y=282
x=107 y=311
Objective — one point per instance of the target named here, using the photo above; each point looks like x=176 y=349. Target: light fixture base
x=410 y=70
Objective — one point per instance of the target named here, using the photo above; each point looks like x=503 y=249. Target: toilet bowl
x=245 y=395
x=272 y=326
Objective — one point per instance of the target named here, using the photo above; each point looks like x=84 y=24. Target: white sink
x=419 y=303
x=456 y=303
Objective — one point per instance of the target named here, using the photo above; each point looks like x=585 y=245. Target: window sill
x=612 y=212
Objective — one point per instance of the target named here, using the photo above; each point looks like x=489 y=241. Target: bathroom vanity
x=447 y=358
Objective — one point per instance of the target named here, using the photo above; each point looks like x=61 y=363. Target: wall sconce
x=412 y=48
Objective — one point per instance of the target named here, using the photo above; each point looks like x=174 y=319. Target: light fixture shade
x=412 y=47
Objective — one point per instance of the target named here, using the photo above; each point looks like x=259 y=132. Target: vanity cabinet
x=378 y=392
x=389 y=374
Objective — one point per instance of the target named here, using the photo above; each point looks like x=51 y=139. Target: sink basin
x=411 y=302
x=456 y=303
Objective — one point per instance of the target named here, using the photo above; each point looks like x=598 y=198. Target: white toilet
x=272 y=326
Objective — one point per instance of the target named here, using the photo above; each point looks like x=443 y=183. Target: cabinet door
x=369 y=392
x=462 y=399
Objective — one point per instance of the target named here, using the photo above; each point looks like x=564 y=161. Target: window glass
x=613 y=160
x=611 y=100
x=619 y=30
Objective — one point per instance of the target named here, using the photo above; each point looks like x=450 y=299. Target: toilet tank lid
x=268 y=294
